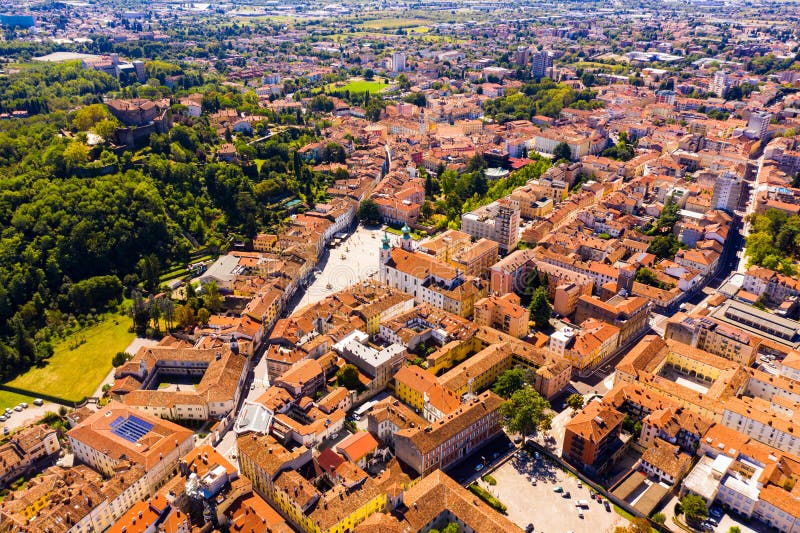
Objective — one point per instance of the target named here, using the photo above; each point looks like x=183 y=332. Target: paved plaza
x=354 y=260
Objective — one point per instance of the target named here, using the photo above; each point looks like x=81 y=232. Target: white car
x=38 y=401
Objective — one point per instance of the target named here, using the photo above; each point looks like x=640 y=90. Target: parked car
x=38 y=401
x=18 y=408
x=608 y=507
x=580 y=514
x=580 y=485
x=479 y=467
x=566 y=495
x=529 y=528
x=24 y=405
x=536 y=455
x=3 y=418
x=558 y=489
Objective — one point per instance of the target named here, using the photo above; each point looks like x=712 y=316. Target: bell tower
x=385 y=249
x=407 y=242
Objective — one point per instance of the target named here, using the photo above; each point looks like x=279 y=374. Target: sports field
x=358 y=85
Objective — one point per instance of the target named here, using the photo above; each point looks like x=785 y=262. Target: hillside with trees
x=79 y=217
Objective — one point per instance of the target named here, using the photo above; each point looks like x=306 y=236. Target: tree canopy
x=347 y=377
x=774 y=241
x=525 y=411
x=541 y=309
x=562 y=152
x=694 y=508
x=545 y=97
x=368 y=211
x=575 y=401
x=511 y=381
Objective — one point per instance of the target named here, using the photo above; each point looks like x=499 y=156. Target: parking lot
x=552 y=512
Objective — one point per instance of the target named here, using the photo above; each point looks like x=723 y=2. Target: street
x=488 y=454
x=255 y=385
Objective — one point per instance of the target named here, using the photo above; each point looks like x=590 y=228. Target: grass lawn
x=394 y=231
x=393 y=23
x=616 y=69
x=358 y=85
x=9 y=399
x=75 y=373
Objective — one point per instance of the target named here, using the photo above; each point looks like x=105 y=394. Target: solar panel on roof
x=131 y=429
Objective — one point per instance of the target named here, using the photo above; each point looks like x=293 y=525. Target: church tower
x=386 y=254
x=385 y=249
x=407 y=243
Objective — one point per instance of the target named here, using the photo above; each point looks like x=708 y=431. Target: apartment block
x=503 y=313
x=591 y=437
x=498 y=221
x=451 y=439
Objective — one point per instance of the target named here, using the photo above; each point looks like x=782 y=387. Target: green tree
x=575 y=401
x=212 y=299
x=562 y=152
x=532 y=282
x=202 y=316
x=150 y=272
x=368 y=212
x=85 y=118
x=120 y=358
x=334 y=153
x=648 y=277
x=669 y=215
x=664 y=246
x=184 y=316
x=347 y=377
x=321 y=103
x=510 y=382
x=75 y=154
x=373 y=110
x=694 y=508
x=428 y=184
x=106 y=128
x=659 y=518
x=525 y=411
x=541 y=309
x=734 y=529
